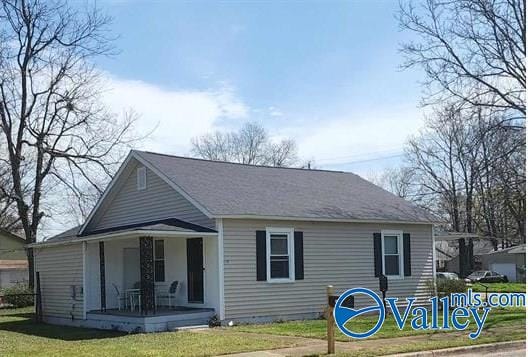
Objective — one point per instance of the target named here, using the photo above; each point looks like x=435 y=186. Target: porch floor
x=160 y=311
x=165 y=319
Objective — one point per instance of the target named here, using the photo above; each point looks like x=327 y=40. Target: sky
x=325 y=73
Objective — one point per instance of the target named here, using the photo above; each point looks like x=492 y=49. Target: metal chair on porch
x=171 y=294
x=121 y=299
x=135 y=294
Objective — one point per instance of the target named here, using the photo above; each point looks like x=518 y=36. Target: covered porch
x=155 y=276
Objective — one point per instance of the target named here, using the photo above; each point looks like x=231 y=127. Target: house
x=244 y=243
x=508 y=261
x=13 y=259
x=448 y=249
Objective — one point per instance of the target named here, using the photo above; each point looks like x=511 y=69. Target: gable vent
x=141 y=178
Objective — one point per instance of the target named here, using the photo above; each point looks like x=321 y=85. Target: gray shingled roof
x=229 y=189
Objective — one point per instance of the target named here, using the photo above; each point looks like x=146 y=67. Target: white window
x=392 y=248
x=141 y=178
x=159 y=260
x=279 y=252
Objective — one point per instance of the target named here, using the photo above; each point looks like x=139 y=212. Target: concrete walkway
x=315 y=347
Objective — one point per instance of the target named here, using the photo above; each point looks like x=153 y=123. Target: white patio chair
x=120 y=298
x=159 y=289
x=171 y=294
x=135 y=296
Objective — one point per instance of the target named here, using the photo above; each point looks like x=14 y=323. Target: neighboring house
x=508 y=261
x=13 y=259
x=447 y=250
x=247 y=243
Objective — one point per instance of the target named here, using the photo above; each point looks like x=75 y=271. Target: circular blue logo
x=344 y=314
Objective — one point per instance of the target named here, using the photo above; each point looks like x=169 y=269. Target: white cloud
x=275 y=112
x=173 y=116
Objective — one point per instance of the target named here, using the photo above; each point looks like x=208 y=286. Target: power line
x=388 y=151
x=378 y=158
x=373 y=159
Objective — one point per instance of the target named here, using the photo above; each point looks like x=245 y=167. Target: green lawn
x=317 y=328
x=20 y=336
x=500 y=287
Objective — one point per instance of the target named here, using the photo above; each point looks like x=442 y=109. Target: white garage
x=508 y=261
x=507 y=269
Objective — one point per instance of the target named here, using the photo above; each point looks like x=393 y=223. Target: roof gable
x=123 y=204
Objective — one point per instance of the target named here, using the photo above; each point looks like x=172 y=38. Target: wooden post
x=330 y=325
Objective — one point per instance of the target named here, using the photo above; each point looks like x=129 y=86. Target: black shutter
x=261 y=256
x=299 y=256
x=406 y=254
x=377 y=254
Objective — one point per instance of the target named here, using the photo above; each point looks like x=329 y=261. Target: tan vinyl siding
x=128 y=205
x=60 y=267
x=11 y=248
x=339 y=254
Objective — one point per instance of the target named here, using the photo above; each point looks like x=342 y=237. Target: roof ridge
x=241 y=164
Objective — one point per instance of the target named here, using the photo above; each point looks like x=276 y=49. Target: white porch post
x=220 y=242
x=84 y=292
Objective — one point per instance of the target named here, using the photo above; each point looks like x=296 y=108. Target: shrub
x=16 y=295
x=446 y=286
x=214 y=321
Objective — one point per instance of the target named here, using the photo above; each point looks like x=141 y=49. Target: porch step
x=193 y=327
x=188 y=324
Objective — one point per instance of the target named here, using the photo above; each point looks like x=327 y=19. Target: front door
x=195 y=275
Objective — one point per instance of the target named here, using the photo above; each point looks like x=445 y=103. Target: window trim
x=141 y=171
x=398 y=234
x=155 y=260
x=291 y=254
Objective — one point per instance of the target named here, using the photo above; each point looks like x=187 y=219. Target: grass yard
x=515 y=317
x=19 y=336
x=500 y=287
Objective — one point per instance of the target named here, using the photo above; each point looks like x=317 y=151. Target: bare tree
x=8 y=216
x=250 y=145
x=472 y=51
x=59 y=138
x=283 y=153
x=214 y=146
x=432 y=155
x=400 y=181
x=473 y=164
